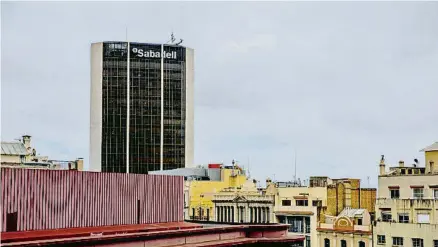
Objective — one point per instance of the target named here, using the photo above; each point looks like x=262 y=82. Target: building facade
x=202 y=183
x=21 y=154
x=245 y=205
x=141 y=107
x=304 y=206
x=407 y=205
x=352 y=227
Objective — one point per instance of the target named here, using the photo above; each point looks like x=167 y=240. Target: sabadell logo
x=153 y=54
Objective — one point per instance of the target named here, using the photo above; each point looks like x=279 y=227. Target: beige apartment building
x=352 y=227
x=407 y=204
x=303 y=207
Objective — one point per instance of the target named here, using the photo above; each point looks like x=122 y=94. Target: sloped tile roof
x=13 y=148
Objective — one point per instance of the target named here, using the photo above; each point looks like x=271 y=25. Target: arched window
x=326 y=242
x=361 y=244
x=343 y=243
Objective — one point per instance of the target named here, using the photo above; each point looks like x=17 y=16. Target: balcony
x=295 y=210
x=407 y=203
x=408 y=230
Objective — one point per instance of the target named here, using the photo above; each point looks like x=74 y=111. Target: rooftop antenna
x=249 y=174
x=368 y=179
x=172 y=40
x=295 y=175
x=179 y=42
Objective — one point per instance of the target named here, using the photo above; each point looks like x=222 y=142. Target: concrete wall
x=96 y=108
x=11 y=159
x=190 y=110
x=335 y=238
x=432 y=156
x=408 y=231
x=404 y=182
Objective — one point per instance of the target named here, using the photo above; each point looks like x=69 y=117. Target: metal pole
x=127 y=107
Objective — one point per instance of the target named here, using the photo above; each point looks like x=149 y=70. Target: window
x=361 y=244
x=381 y=239
x=435 y=194
x=326 y=242
x=403 y=218
x=302 y=202
x=395 y=193
x=359 y=221
x=418 y=193
x=316 y=203
x=343 y=243
x=386 y=216
x=286 y=203
x=435 y=243
x=417 y=242
x=423 y=218
x=397 y=241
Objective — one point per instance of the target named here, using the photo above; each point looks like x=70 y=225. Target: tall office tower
x=141 y=107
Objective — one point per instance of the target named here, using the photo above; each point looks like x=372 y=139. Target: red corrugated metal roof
x=53 y=199
x=190 y=234
x=7 y=237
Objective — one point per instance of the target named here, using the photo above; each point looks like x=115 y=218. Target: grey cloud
x=342 y=82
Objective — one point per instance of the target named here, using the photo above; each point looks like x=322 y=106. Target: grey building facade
x=141 y=107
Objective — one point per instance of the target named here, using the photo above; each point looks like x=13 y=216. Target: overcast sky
x=340 y=82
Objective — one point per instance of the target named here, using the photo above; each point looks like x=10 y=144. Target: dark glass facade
x=145 y=102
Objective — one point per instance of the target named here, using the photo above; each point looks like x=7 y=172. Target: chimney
x=26 y=141
x=401 y=163
x=382 y=165
x=80 y=164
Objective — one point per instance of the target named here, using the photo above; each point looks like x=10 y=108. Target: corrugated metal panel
x=13 y=148
x=51 y=199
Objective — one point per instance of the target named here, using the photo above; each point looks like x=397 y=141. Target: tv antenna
x=172 y=40
x=295 y=175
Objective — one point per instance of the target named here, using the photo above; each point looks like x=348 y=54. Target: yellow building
x=352 y=227
x=407 y=205
x=201 y=192
x=303 y=207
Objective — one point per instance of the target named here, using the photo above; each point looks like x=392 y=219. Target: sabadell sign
x=153 y=54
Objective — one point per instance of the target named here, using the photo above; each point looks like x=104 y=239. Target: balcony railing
x=407 y=203
x=200 y=218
